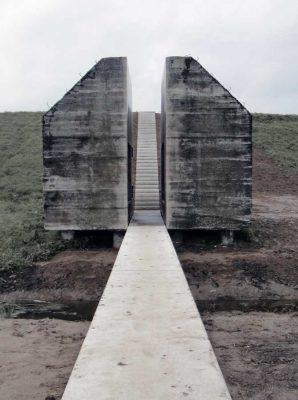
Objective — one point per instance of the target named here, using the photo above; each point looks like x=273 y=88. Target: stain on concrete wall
x=205 y=151
x=86 y=139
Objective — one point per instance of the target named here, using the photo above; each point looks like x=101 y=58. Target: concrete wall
x=205 y=151
x=87 y=178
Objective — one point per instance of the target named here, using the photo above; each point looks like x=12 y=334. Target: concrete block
x=227 y=238
x=87 y=164
x=67 y=235
x=205 y=151
x=117 y=239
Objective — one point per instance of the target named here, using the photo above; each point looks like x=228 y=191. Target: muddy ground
x=247 y=294
x=37 y=357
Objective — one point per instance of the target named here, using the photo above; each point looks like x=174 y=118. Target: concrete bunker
x=88 y=153
x=204 y=146
x=205 y=152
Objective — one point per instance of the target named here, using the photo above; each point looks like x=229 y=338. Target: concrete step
x=149 y=197
x=152 y=170
x=147 y=187
x=146 y=167
x=139 y=193
x=147 y=206
x=146 y=146
x=145 y=151
x=145 y=161
x=147 y=154
x=146 y=178
x=149 y=164
x=141 y=160
x=148 y=160
x=146 y=157
x=147 y=171
x=146 y=174
x=147 y=201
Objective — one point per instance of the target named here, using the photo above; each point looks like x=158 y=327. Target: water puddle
x=69 y=311
x=84 y=310
x=227 y=303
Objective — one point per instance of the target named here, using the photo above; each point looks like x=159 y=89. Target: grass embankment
x=22 y=237
x=277 y=135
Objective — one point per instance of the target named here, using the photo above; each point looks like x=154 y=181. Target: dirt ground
x=257 y=352
x=37 y=357
x=70 y=275
x=247 y=295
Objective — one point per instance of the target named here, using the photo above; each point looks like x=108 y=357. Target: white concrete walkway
x=147 y=340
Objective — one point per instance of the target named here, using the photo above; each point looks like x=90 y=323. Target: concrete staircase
x=147 y=186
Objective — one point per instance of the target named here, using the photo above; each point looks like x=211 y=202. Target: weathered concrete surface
x=147 y=340
x=87 y=153
x=206 y=163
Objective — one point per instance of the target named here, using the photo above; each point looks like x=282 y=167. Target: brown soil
x=257 y=352
x=255 y=348
x=37 y=357
x=269 y=178
x=70 y=275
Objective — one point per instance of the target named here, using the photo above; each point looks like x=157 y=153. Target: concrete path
x=147 y=340
x=147 y=186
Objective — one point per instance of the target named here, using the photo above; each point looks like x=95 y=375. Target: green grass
x=23 y=240
x=22 y=237
x=277 y=135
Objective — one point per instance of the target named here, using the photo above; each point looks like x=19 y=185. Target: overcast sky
x=250 y=46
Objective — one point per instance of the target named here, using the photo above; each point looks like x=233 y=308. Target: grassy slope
x=22 y=238
x=277 y=135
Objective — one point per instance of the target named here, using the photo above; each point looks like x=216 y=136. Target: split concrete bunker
x=203 y=180
x=146 y=339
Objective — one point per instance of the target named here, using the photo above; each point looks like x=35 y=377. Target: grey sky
x=250 y=46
